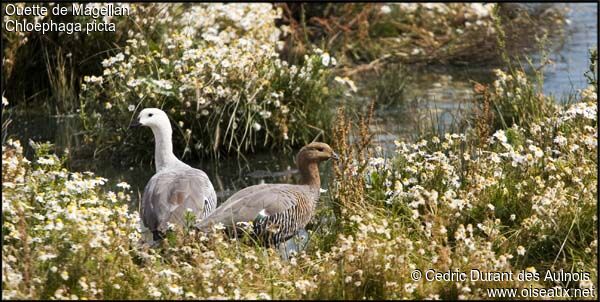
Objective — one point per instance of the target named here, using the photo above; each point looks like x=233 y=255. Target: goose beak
x=335 y=156
x=134 y=125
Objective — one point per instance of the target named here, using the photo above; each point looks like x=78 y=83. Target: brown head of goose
x=277 y=211
x=176 y=187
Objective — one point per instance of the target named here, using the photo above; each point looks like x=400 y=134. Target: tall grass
x=516 y=100
x=6 y=120
x=61 y=76
x=45 y=70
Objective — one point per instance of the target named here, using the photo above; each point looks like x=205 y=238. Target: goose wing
x=168 y=194
x=252 y=202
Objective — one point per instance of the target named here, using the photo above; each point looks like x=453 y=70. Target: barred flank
x=278 y=228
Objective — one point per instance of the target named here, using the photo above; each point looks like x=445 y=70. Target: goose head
x=316 y=152
x=153 y=118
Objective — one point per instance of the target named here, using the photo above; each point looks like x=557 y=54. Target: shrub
x=530 y=195
x=215 y=70
x=59 y=227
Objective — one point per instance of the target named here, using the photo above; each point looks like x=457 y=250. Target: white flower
x=409 y=287
x=131 y=108
x=225 y=63
x=123 y=185
x=560 y=140
x=94 y=79
x=481 y=10
x=45 y=257
x=574 y=147
x=265 y=114
x=520 y=250
x=499 y=135
x=264 y=296
x=178 y=290
x=537 y=152
x=167 y=273
x=64 y=275
x=134 y=83
x=164 y=84
x=4 y=101
x=46 y=161
x=218 y=226
x=153 y=291
x=386 y=9
x=325 y=59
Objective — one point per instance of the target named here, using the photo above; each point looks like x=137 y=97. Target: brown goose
x=277 y=211
x=175 y=188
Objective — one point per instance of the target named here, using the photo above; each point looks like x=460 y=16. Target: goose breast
x=170 y=193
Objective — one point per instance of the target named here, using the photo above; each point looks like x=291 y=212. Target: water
x=443 y=96
x=571 y=61
x=444 y=93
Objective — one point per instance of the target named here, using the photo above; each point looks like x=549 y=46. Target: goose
x=175 y=188
x=277 y=211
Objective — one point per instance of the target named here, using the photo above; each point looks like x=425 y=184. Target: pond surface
x=571 y=59
x=442 y=96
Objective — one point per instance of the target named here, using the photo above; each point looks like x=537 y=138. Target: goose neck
x=309 y=173
x=163 y=148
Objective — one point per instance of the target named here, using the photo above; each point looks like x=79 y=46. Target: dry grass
x=353 y=142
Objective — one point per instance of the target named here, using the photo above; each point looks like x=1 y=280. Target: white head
x=159 y=122
x=154 y=118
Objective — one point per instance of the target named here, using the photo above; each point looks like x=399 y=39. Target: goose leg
x=293 y=245
x=284 y=253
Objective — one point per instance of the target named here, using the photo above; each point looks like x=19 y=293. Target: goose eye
x=150 y=115
x=320 y=149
